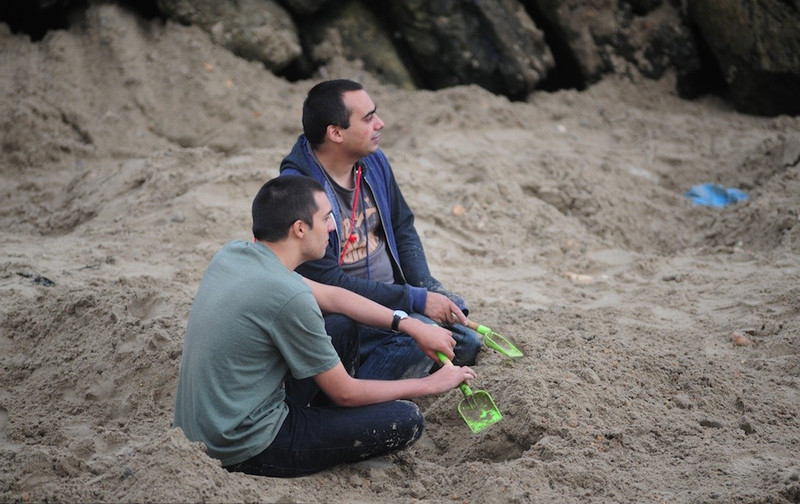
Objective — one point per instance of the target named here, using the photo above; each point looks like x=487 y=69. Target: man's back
x=252 y=322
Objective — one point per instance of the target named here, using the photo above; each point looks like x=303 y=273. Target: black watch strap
x=397 y=316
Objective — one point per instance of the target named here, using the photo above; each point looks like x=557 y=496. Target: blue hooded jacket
x=411 y=274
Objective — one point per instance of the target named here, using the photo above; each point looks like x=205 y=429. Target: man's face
x=317 y=239
x=363 y=135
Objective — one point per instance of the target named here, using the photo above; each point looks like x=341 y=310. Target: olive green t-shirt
x=252 y=323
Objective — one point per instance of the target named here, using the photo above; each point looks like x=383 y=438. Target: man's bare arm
x=344 y=390
x=430 y=338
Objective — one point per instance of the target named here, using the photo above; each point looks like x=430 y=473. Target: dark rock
x=641 y=7
x=602 y=38
x=355 y=33
x=493 y=44
x=580 y=26
x=757 y=45
x=305 y=7
x=258 y=30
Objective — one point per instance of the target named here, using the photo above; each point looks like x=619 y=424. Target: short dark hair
x=281 y=202
x=324 y=106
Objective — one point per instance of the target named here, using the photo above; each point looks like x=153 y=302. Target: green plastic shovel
x=477 y=408
x=495 y=341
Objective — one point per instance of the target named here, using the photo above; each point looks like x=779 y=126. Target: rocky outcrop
x=748 y=50
x=757 y=45
x=352 y=31
x=258 y=30
x=493 y=44
x=599 y=37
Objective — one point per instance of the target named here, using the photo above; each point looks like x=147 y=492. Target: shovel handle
x=482 y=329
x=447 y=362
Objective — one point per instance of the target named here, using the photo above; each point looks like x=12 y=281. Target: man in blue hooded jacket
x=374 y=249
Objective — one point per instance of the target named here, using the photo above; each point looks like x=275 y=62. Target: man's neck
x=285 y=253
x=338 y=169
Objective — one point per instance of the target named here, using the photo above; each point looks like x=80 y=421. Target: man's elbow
x=347 y=396
x=346 y=401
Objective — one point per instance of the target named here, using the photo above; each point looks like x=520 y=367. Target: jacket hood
x=301 y=159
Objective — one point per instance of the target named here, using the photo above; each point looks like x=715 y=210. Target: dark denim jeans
x=316 y=438
x=344 y=336
x=391 y=356
x=318 y=435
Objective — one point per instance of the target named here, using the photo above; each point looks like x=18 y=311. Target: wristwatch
x=397 y=316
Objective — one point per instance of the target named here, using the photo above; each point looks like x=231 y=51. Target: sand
x=661 y=339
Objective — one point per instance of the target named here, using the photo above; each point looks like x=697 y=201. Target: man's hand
x=450 y=377
x=430 y=338
x=439 y=308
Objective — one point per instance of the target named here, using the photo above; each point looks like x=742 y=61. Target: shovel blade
x=501 y=344
x=479 y=411
x=498 y=342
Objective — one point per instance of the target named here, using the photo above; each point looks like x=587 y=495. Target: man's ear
x=298 y=228
x=334 y=133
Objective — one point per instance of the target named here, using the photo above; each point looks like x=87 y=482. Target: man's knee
x=411 y=421
x=468 y=344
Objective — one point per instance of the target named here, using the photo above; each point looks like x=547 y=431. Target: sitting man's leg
x=344 y=336
x=391 y=356
x=315 y=438
x=468 y=345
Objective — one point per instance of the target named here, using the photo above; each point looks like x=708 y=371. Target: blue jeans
x=317 y=434
x=391 y=356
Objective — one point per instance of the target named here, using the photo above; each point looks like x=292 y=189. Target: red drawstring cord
x=352 y=238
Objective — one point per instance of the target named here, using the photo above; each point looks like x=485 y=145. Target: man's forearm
x=327 y=271
x=333 y=299
x=430 y=338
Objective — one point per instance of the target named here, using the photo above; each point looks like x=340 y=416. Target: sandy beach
x=661 y=338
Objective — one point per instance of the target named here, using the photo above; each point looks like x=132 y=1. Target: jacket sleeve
x=410 y=251
x=328 y=271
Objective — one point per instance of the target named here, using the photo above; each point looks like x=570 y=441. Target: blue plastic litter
x=714 y=195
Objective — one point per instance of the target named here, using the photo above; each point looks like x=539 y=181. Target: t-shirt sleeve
x=301 y=338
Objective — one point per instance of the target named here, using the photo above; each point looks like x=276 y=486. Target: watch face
x=401 y=314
